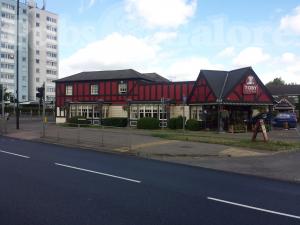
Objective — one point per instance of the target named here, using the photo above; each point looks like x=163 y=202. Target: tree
x=7 y=95
x=276 y=81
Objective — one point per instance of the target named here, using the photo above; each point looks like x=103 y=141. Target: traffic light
x=40 y=93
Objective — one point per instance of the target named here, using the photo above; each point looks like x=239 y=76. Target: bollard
x=286 y=125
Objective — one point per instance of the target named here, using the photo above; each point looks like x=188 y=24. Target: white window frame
x=69 y=90
x=122 y=88
x=94 y=89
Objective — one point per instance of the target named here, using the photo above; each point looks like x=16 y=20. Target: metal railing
x=89 y=135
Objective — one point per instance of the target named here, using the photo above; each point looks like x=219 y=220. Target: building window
x=37 y=24
x=69 y=90
x=37 y=15
x=37 y=61
x=122 y=88
x=37 y=79
x=37 y=70
x=94 y=89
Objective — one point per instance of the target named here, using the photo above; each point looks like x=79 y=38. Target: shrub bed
x=176 y=123
x=193 y=125
x=115 y=122
x=78 y=120
x=148 y=123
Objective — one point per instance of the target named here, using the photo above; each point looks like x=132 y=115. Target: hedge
x=78 y=120
x=115 y=122
x=176 y=123
x=148 y=123
x=193 y=125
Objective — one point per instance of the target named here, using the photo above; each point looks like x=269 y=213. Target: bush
x=148 y=123
x=193 y=125
x=78 y=120
x=176 y=123
x=115 y=122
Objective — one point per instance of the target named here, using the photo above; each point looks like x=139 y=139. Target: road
x=44 y=184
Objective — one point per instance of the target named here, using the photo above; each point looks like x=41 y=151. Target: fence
x=3 y=126
x=89 y=135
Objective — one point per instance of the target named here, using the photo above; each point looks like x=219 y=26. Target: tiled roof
x=223 y=82
x=113 y=75
x=284 y=90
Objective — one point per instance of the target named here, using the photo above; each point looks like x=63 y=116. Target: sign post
x=184 y=100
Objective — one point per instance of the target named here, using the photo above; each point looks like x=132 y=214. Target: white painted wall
x=176 y=111
x=117 y=111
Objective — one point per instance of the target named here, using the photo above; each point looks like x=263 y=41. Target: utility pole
x=183 y=112
x=2 y=102
x=44 y=109
x=17 y=69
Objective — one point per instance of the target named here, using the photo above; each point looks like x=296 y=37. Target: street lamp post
x=17 y=68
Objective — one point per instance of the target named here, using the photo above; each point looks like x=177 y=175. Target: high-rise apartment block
x=38 y=49
x=43 y=51
x=8 y=40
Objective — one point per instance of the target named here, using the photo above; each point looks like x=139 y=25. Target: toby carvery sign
x=250 y=87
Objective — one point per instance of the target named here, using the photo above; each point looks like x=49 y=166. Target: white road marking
x=254 y=208
x=10 y=153
x=99 y=173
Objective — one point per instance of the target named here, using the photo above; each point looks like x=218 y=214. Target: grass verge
x=224 y=139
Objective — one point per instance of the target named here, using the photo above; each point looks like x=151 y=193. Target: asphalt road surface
x=45 y=184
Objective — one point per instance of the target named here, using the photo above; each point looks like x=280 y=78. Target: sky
x=178 y=38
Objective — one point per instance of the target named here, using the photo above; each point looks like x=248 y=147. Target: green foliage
x=148 y=123
x=276 y=81
x=78 y=120
x=115 y=122
x=193 y=125
x=176 y=123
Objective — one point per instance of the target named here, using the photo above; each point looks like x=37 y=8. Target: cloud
x=188 y=68
x=115 y=51
x=91 y=3
x=86 y=4
x=286 y=66
x=160 y=37
x=162 y=14
x=288 y=57
x=291 y=22
x=251 y=56
x=227 y=52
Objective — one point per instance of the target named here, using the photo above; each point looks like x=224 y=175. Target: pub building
x=217 y=98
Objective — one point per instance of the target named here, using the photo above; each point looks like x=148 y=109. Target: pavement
x=50 y=184
x=277 y=165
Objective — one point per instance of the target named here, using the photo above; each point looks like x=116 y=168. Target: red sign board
x=250 y=87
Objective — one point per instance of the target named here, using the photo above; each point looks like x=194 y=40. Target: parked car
x=285 y=119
